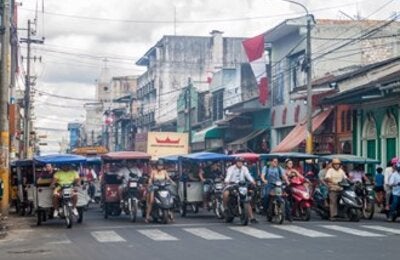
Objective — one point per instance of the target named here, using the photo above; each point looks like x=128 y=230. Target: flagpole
x=309 y=140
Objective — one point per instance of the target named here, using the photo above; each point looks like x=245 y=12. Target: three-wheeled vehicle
x=43 y=192
x=190 y=190
x=365 y=190
x=111 y=181
x=293 y=201
x=22 y=185
x=94 y=186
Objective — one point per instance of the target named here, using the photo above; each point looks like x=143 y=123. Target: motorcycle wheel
x=305 y=213
x=353 y=215
x=369 y=209
x=132 y=210
x=195 y=208
x=105 y=208
x=80 y=215
x=244 y=217
x=182 y=210
x=165 y=217
x=68 y=216
x=39 y=217
x=218 y=210
x=278 y=214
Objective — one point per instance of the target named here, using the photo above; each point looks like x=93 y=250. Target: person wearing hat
x=234 y=174
x=333 y=177
x=157 y=174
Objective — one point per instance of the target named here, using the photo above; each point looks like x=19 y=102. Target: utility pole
x=4 y=101
x=189 y=109
x=309 y=140
x=27 y=96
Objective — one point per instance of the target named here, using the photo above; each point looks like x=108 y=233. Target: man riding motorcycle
x=127 y=168
x=65 y=176
x=211 y=173
x=237 y=173
x=333 y=177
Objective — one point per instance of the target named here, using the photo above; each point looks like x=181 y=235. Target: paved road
x=202 y=237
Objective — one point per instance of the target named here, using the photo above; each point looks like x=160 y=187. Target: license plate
x=132 y=184
x=242 y=190
x=67 y=192
x=218 y=186
x=278 y=192
x=163 y=193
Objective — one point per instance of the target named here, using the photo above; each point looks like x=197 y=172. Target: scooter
x=349 y=204
x=163 y=205
x=257 y=198
x=276 y=205
x=366 y=193
x=65 y=209
x=216 y=198
x=301 y=199
x=131 y=198
x=238 y=203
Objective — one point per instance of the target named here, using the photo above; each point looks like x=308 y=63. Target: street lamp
x=309 y=140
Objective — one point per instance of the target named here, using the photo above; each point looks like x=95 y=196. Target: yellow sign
x=167 y=143
x=90 y=150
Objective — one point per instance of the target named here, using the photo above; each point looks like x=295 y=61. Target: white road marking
x=384 y=229
x=61 y=242
x=157 y=235
x=257 y=233
x=303 y=231
x=352 y=231
x=206 y=234
x=107 y=236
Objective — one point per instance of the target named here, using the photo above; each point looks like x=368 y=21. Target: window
x=298 y=75
x=218 y=105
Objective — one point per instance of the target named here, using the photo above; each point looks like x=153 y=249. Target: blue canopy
x=60 y=159
x=288 y=155
x=22 y=163
x=206 y=156
x=349 y=158
x=93 y=160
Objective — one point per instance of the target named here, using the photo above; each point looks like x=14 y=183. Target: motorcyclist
x=157 y=174
x=127 y=168
x=333 y=177
x=394 y=182
x=210 y=173
x=65 y=176
x=387 y=173
x=270 y=175
x=235 y=174
x=358 y=174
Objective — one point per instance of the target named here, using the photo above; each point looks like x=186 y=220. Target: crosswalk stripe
x=206 y=234
x=107 y=236
x=157 y=235
x=352 y=231
x=384 y=229
x=303 y=231
x=60 y=242
x=257 y=233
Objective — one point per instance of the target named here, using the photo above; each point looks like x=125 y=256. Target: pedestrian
x=388 y=172
x=394 y=182
x=378 y=186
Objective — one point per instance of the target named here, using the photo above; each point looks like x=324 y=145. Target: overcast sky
x=80 y=34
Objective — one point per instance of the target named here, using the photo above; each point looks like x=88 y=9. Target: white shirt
x=236 y=175
x=125 y=172
x=386 y=174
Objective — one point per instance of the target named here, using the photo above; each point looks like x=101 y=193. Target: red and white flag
x=254 y=48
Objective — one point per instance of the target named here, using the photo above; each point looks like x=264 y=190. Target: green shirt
x=66 y=178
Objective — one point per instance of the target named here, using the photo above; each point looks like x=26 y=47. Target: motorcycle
x=257 y=198
x=366 y=193
x=65 y=208
x=163 y=205
x=276 y=205
x=216 y=198
x=131 y=198
x=238 y=203
x=397 y=214
x=301 y=199
x=349 y=204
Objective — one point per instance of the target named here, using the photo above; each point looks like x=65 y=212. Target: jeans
x=394 y=205
x=267 y=189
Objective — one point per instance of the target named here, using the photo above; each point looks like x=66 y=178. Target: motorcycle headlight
x=243 y=190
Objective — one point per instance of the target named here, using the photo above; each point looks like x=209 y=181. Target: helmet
x=336 y=161
x=394 y=160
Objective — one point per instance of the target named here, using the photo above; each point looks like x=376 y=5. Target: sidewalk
x=13 y=222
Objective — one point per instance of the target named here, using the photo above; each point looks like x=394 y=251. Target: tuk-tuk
x=111 y=181
x=22 y=186
x=43 y=192
x=190 y=190
x=94 y=187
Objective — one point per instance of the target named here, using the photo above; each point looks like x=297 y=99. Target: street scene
x=226 y=129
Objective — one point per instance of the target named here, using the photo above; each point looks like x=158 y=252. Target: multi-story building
x=170 y=63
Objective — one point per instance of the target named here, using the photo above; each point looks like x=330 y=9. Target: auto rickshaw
x=190 y=189
x=22 y=186
x=111 y=181
x=93 y=182
x=43 y=192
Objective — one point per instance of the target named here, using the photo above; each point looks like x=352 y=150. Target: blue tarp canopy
x=60 y=159
x=206 y=156
x=93 y=160
x=349 y=158
x=22 y=163
x=288 y=155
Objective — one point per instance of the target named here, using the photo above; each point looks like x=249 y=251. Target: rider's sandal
x=147 y=221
